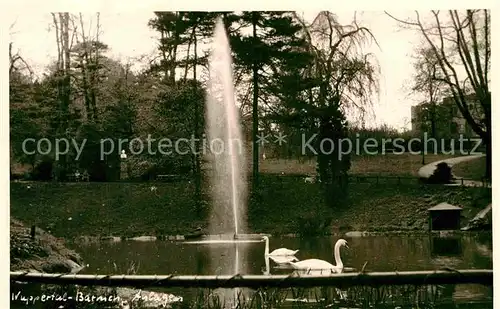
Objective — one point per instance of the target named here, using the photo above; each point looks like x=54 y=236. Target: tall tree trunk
x=164 y=55
x=487 y=137
x=93 y=96
x=65 y=93
x=94 y=76
x=64 y=89
x=488 y=157
x=433 y=122
x=321 y=168
x=173 y=55
x=197 y=132
x=84 y=69
x=86 y=95
x=186 y=68
x=255 y=119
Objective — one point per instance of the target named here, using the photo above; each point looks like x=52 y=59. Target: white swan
x=278 y=252
x=267 y=272
x=318 y=265
x=281 y=259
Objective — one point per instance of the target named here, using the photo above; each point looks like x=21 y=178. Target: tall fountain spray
x=228 y=172
x=224 y=139
x=227 y=158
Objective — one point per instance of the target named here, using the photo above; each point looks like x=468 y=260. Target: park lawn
x=404 y=165
x=473 y=169
x=285 y=205
x=92 y=208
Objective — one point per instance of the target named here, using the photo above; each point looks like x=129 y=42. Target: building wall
x=452 y=123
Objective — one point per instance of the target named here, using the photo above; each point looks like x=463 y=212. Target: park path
x=427 y=170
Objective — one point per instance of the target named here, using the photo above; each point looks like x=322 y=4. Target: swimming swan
x=316 y=264
x=278 y=252
x=281 y=259
x=267 y=272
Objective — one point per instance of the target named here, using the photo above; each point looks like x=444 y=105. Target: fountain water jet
x=222 y=123
x=227 y=227
x=228 y=175
x=228 y=160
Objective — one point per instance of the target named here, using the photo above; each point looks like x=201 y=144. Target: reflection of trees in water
x=477 y=252
x=202 y=261
x=461 y=251
x=388 y=253
x=316 y=247
x=481 y=246
x=446 y=246
x=446 y=251
x=483 y=238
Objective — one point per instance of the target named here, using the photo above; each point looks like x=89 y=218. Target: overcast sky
x=127 y=34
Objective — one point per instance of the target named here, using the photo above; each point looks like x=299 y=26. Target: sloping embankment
x=45 y=253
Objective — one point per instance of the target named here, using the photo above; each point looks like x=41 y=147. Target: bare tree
x=17 y=80
x=428 y=81
x=63 y=75
x=461 y=42
x=61 y=24
x=348 y=72
x=88 y=48
x=14 y=58
x=346 y=79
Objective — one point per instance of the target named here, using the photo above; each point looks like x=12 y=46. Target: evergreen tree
x=264 y=53
x=173 y=28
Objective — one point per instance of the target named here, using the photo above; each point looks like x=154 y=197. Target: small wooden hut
x=444 y=217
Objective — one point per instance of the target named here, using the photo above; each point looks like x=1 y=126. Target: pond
x=380 y=253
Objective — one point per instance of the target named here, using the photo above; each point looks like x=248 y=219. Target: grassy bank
x=405 y=164
x=43 y=253
x=287 y=205
x=473 y=169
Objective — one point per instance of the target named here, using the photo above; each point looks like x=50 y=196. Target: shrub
x=43 y=170
x=442 y=174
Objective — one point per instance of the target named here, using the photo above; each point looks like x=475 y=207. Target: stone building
x=449 y=121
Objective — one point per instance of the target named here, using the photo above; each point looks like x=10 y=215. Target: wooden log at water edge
x=484 y=277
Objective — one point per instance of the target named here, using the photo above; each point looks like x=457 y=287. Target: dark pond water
x=382 y=253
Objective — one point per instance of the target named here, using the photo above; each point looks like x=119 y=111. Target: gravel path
x=427 y=170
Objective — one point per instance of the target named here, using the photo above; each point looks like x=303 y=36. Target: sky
x=127 y=34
